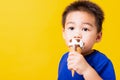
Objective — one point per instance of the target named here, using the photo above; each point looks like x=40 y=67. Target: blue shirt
x=97 y=60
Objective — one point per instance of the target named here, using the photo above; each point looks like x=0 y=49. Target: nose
x=78 y=34
x=77 y=37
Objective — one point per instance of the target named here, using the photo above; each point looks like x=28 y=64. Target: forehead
x=79 y=17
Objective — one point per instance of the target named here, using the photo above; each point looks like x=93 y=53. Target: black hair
x=86 y=6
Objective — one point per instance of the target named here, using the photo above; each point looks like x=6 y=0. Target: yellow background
x=31 y=42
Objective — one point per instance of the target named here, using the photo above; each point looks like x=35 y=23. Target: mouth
x=76 y=42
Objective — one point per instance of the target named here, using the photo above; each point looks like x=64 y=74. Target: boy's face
x=81 y=25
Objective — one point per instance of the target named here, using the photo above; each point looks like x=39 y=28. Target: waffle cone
x=77 y=49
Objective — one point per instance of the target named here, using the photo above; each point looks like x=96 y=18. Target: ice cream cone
x=75 y=46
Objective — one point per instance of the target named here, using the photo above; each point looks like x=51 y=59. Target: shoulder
x=64 y=57
x=98 y=60
x=97 y=56
x=102 y=64
x=63 y=60
x=63 y=63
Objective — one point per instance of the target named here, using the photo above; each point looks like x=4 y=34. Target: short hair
x=86 y=6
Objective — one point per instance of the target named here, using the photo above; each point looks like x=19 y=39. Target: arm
x=91 y=74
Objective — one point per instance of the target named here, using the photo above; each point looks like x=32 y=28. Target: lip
x=77 y=39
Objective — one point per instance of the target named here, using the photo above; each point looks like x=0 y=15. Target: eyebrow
x=88 y=24
x=70 y=22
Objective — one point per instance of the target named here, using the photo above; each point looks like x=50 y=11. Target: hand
x=77 y=62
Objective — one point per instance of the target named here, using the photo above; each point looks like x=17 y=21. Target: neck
x=87 y=53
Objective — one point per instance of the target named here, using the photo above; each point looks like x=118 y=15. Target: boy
x=83 y=20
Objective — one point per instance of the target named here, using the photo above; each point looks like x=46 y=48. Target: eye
x=71 y=28
x=85 y=29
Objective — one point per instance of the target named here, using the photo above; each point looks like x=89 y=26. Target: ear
x=63 y=33
x=99 y=37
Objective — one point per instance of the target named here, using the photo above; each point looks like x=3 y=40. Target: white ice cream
x=74 y=42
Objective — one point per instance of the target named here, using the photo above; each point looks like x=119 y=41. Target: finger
x=71 y=62
x=74 y=68
x=70 y=66
x=71 y=49
x=71 y=53
x=70 y=56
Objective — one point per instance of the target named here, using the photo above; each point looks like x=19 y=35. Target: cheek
x=89 y=41
x=68 y=35
x=67 y=38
